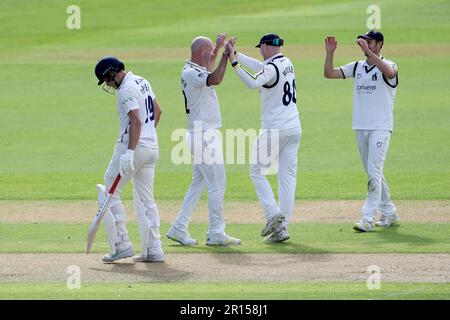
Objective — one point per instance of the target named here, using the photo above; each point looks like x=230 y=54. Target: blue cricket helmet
x=105 y=65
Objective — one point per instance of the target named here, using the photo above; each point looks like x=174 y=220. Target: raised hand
x=330 y=44
x=229 y=48
x=220 y=40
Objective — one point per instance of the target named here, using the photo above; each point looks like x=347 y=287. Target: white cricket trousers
x=373 y=146
x=284 y=154
x=147 y=214
x=208 y=172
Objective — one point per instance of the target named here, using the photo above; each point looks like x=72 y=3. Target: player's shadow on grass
x=202 y=248
x=221 y=253
x=147 y=272
x=291 y=246
x=395 y=234
x=294 y=249
x=272 y=259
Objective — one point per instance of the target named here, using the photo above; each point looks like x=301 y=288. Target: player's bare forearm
x=329 y=71
x=328 y=66
x=213 y=59
x=217 y=75
x=135 y=129
x=157 y=112
x=219 y=44
x=372 y=58
x=385 y=68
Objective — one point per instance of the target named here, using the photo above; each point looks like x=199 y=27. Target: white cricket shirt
x=374 y=95
x=277 y=88
x=136 y=93
x=201 y=103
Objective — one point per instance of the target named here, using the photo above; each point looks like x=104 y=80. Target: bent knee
x=255 y=170
x=373 y=184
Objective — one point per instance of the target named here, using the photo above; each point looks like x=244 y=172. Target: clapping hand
x=220 y=40
x=229 y=48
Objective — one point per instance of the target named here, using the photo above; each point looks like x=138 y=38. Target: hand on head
x=363 y=44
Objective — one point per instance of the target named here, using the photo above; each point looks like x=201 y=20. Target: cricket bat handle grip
x=114 y=185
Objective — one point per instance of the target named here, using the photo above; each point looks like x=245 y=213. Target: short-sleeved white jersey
x=136 y=93
x=277 y=88
x=374 y=95
x=201 y=103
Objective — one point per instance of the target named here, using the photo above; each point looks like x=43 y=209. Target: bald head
x=201 y=51
x=200 y=42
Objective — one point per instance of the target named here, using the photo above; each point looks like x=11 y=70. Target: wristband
x=234 y=64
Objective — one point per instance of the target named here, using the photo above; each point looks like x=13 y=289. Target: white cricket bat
x=99 y=216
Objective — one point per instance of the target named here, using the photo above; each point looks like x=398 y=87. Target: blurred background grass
x=59 y=128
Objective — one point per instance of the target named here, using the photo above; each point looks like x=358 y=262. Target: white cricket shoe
x=222 y=239
x=388 y=221
x=363 y=226
x=272 y=224
x=181 y=237
x=120 y=254
x=278 y=236
x=156 y=257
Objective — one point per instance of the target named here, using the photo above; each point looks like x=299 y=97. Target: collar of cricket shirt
x=368 y=67
x=195 y=65
x=273 y=57
x=127 y=75
x=371 y=65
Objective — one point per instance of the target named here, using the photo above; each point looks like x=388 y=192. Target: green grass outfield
x=306 y=238
x=58 y=127
x=227 y=291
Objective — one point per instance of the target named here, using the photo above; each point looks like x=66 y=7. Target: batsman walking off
x=135 y=155
x=279 y=139
x=375 y=86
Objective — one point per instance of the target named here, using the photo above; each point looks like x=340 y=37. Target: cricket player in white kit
x=281 y=131
x=204 y=119
x=135 y=155
x=375 y=86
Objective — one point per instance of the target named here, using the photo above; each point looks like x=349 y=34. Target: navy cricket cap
x=372 y=35
x=270 y=39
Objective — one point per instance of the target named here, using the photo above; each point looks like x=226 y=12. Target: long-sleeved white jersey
x=275 y=79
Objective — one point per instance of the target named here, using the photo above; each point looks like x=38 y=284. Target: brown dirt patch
x=234 y=211
x=229 y=267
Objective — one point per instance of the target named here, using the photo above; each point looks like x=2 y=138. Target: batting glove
x=126 y=165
